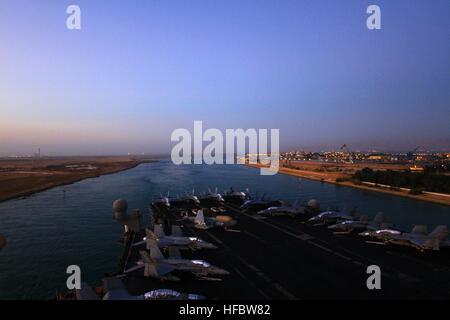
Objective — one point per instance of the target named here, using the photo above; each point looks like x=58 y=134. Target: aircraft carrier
x=286 y=258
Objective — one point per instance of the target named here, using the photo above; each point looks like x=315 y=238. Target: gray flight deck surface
x=285 y=258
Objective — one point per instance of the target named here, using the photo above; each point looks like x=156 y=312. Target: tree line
x=417 y=182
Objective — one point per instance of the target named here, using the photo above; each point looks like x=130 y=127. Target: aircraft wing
x=164 y=268
x=417 y=241
x=164 y=243
x=138 y=243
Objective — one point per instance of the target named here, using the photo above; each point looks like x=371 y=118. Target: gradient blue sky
x=139 y=69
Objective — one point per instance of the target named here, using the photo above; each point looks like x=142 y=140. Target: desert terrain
x=22 y=177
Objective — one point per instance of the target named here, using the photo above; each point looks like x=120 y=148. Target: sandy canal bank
x=331 y=177
x=23 y=177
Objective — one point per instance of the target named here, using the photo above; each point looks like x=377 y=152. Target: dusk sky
x=139 y=69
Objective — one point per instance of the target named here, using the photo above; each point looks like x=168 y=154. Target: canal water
x=72 y=225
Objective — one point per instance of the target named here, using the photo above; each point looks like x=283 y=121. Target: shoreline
x=323 y=178
x=58 y=178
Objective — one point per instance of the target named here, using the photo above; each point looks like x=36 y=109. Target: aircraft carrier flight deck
x=284 y=257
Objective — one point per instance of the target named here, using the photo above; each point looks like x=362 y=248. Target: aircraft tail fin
x=378 y=220
x=421 y=229
x=353 y=212
x=149 y=266
x=150 y=234
x=439 y=233
x=436 y=237
x=155 y=253
x=150 y=270
x=200 y=218
x=159 y=230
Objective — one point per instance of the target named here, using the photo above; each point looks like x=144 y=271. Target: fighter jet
x=202 y=222
x=298 y=208
x=157 y=266
x=163 y=201
x=256 y=205
x=418 y=237
x=175 y=239
x=212 y=198
x=333 y=216
x=349 y=226
x=235 y=196
x=190 y=201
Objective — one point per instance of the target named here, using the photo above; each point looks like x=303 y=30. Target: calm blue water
x=48 y=232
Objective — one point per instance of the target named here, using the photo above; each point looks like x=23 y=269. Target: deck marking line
x=251 y=283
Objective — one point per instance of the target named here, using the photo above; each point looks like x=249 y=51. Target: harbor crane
x=410 y=155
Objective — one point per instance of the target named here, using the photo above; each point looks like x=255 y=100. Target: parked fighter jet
x=256 y=205
x=175 y=239
x=212 y=198
x=349 y=226
x=163 y=201
x=235 y=196
x=418 y=237
x=190 y=201
x=157 y=266
x=202 y=222
x=298 y=208
x=332 y=216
